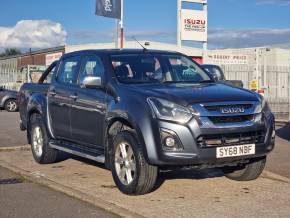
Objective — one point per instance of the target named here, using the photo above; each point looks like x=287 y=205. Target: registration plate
x=235 y=151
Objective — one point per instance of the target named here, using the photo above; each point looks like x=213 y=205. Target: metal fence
x=274 y=80
x=11 y=79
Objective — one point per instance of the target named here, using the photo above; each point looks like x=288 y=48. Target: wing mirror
x=215 y=77
x=92 y=82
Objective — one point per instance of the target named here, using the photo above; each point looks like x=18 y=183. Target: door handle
x=52 y=93
x=74 y=97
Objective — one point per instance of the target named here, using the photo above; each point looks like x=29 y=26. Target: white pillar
x=178 y=37
x=204 y=53
x=122 y=25
x=117 y=34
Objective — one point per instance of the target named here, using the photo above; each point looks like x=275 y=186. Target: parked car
x=8 y=100
x=219 y=75
x=141 y=110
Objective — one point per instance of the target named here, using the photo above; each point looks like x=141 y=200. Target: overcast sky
x=232 y=23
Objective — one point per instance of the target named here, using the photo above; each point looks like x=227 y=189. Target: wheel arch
x=9 y=98
x=113 y=127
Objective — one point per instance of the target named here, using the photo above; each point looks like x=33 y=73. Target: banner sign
x=109 y=8
x=50 y=58
x=193 y=25
x=220 y=59
x=196 y=1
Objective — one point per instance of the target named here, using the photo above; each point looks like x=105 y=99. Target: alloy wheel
x=125 y=163
x=11 y=106
x=37 y=141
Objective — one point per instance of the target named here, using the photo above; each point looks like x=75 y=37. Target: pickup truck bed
x=27 y=90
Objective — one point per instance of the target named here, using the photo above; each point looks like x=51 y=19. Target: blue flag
x=109 y=8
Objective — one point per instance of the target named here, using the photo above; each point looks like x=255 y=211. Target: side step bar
x=78 y=152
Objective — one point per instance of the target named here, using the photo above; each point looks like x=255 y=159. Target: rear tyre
x=131 y=172
x=40 y=148
x=248 y=172
x=11 y=105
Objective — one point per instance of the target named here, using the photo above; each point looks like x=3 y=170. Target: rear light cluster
x=18 y=98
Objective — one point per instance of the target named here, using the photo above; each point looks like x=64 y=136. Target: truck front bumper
x=194 y=150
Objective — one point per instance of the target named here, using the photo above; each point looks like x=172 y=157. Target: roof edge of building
x=46 y=50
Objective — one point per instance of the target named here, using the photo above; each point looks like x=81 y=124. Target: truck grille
x=217 y=108
x=231 y=139
x=231 y=119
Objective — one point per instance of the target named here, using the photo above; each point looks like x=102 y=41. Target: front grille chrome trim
x=250 y=107
x=207 y=123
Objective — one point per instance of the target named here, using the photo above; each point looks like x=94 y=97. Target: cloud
x=217 y=37
x=34 y=34
x=39 y=34
x=90 y=34
x=150 y=34
x=237 y=38
x=279 y=2
x=109 y=34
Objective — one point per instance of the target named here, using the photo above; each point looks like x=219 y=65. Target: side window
x=91 y=66
x=68 y=70
x=48 y=78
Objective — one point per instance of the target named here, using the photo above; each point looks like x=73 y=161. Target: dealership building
x=241 y=56
x=264 y=69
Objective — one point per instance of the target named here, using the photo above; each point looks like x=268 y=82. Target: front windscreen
x=160 y=68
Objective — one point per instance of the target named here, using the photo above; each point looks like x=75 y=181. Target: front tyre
x=11 y=105
x=131 y=172
x=248 y=172
x=40 y=148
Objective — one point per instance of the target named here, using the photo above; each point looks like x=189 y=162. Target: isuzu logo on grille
x=232 y=110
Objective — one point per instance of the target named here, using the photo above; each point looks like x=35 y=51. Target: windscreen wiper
x=195 y=82
x=206 y=81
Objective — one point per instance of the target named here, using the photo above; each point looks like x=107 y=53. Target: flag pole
x=117 y=34
x=122 y=25
x=179 y=5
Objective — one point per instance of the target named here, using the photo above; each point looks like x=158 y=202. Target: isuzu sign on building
x=193 y=25
x=197 y=1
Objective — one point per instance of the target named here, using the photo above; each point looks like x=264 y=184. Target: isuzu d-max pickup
x=139 y=111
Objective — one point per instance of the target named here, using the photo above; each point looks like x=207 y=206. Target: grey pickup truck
x=139 y=111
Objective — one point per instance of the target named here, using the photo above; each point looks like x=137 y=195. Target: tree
x=10 y=52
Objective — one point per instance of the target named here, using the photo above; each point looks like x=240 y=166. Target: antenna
x=144 y=49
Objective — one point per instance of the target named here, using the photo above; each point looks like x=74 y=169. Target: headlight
x=166 y=110
x=264 y=106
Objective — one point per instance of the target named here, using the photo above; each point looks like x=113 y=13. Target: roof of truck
x=121 y=51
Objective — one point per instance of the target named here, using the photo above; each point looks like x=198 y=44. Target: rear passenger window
x=68 y=70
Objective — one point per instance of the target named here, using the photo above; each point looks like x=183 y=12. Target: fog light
x=170 y=142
